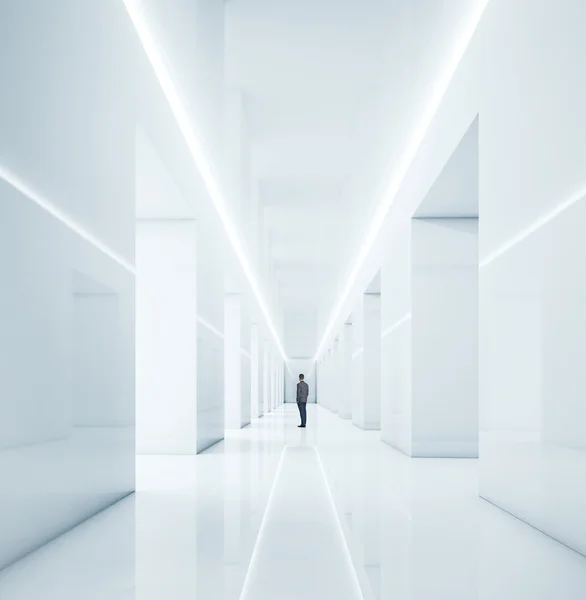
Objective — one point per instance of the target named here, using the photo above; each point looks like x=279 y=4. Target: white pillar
x=261 y=375
x=255 y=372
x=330 y=378
x=371 y=369
x=274 y=372
x=166 y=330
x=444 y=329
x=345 y=372
x=324 y=381
x=266 y=378
x=357 y=365
x=335 y=398
x=233 y=417
x=246 y=368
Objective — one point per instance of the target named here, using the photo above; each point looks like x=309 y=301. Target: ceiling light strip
x=197 y=152
x=404 y=164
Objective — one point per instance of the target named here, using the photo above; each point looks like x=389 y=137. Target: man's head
x=301 y=377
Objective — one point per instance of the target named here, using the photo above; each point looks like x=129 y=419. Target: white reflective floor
x=278 y=513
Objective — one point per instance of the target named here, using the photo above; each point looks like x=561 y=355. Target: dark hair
x=302 y=376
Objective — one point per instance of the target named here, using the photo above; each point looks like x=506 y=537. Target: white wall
x=444 y=329
x=523 y=74
x=67 y=134
x=522 y=179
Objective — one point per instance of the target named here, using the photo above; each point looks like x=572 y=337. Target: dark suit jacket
x=302 y=391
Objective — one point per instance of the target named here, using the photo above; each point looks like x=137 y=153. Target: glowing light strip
x=197 y=152
x=343 y=540
x=357 y=353
x=399 y=174
x=535 y=226
x=210 y=327
x=263 y=525
x=396 y=325
x=245 y=353
x=20 y=186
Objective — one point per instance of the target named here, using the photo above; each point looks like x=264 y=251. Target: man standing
x=302 y=394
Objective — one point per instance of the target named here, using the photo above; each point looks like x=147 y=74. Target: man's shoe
x=301 y=426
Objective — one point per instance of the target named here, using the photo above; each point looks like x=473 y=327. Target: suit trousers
x=303 y=412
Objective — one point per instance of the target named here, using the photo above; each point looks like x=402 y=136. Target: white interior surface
x=66 y=178
x=233 y=372
x=166 y=321
x=371 y=361
x=413 y=528
x=444 y=330
x=302 y=121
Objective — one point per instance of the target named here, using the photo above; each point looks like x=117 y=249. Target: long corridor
x=277 y=512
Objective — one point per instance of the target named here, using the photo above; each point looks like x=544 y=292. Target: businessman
x=302 y=394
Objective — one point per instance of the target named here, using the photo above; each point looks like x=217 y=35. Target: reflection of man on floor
x=302 y=394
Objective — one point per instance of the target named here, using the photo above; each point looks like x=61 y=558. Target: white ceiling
x=309 y=72
x=331 y=89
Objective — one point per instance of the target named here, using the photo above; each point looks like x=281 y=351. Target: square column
x=357 y=405
x=210 y=334
x=167 y=332
x=266 y=407
x=330 y=395
x=325 y=388
x=345 y=372
x=237 y=364
x=255 y=373
x=371 y=369
x=246 y=366
x=444 y=329
x=335 y=377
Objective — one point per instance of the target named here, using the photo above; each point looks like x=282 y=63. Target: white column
x=261 y=374
x=319 y=380
x=371 y=369
x=324 y=381
x=210 y=335
x=167 y=327
x=237 y=369
x=444 y=329
x=335 y=379
x=330 y=378
x=396 y=344
x=255 y=372
x=274 y=386
x=233 y=375
x=266 y=378
x=357 y=365
x=246 y=366
x=345 y=372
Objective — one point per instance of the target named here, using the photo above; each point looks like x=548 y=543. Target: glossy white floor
x=278 y=513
